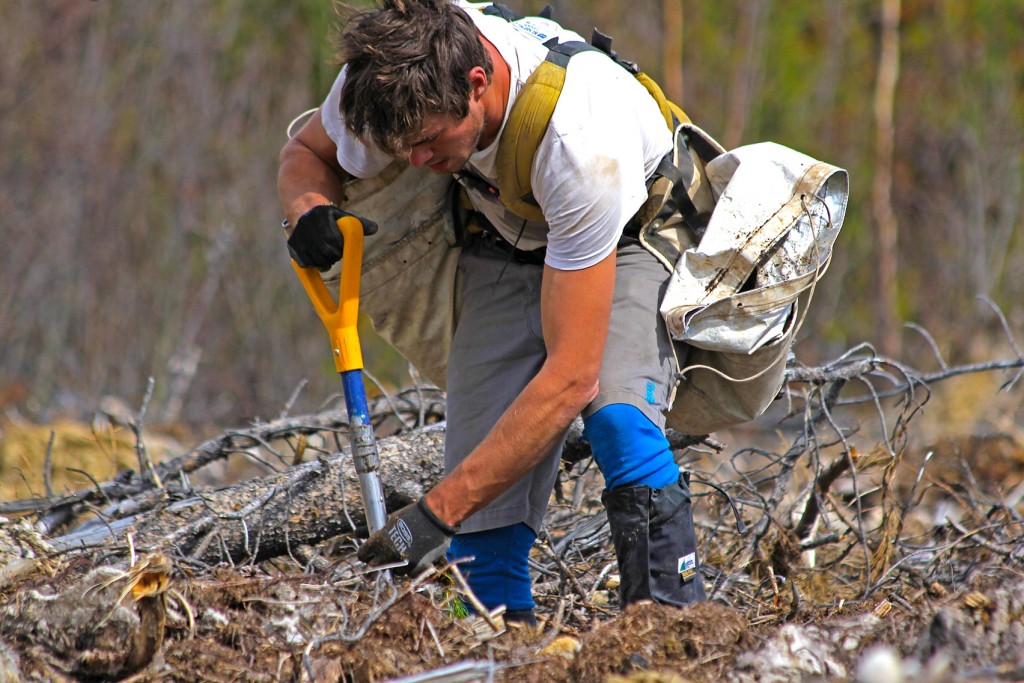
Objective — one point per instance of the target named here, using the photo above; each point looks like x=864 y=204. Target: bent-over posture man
x=559 y=317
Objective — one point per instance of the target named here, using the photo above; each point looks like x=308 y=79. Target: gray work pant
x=498 y=348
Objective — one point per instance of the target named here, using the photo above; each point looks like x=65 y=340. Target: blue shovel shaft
x=364 y=449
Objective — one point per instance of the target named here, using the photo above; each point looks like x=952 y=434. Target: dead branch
x=266 y=517
x=311 y=494
x=275 y=525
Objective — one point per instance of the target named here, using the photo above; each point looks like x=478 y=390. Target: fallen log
x=267 y=517
x=319 y=500
x=130 y=485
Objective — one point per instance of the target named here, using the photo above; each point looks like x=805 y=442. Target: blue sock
x=629 y=448
x=500 y=572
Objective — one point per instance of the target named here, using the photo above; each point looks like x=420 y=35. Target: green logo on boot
x=688 y=566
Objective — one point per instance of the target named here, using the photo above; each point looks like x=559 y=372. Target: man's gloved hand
x=414 y=534
x=316 y=239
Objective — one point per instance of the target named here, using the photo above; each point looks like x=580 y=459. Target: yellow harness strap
x=528 y=121
x=670 y=111
x=526 y=125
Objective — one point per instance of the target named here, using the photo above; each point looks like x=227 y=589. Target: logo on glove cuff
x=401 y=535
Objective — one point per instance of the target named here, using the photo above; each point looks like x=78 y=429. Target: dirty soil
x=911 y=568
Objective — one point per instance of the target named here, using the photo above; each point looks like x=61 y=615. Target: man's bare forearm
x=526 y=433
x=309 y=173
x=575 y=309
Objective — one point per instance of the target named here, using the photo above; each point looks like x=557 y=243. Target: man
x=558 y=318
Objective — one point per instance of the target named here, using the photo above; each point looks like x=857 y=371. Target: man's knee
x=629 y=448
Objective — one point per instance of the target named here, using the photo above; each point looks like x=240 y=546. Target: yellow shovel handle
x=340 y=318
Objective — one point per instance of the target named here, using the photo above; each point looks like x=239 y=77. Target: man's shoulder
x=600 y=92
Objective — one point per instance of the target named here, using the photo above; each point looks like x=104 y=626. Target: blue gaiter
x=629 y=448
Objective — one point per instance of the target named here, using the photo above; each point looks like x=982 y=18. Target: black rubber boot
x=652 y=531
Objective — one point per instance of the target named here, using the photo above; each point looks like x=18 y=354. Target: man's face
x=444 y=144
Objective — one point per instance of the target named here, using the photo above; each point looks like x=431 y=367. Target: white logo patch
x=401 y=536
x=538 y=27
x=688 y=566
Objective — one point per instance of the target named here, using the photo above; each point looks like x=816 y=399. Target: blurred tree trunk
x=886 y=227
x=605 y=15
x=839 y=15
x=746 y=76
x=672 y=51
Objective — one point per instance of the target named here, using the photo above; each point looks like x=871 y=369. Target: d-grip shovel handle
x=340 y=318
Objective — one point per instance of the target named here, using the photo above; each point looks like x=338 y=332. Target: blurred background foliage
x=141 y=226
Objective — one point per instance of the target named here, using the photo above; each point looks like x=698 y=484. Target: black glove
x=316 y=239
x=414 y=534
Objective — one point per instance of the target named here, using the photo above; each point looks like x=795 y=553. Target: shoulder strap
x=527 y=122
x=531 y=113
x=498 y=10
x=670 y=111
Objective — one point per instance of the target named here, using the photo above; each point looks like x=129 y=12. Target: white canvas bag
x=732 y=300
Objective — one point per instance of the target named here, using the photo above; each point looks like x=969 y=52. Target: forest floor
x=908 y=567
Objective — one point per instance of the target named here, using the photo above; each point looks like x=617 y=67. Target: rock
x=880 y=665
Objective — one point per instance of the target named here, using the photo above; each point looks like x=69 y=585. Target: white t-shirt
x=605 y=138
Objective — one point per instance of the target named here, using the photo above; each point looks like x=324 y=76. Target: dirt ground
x=245 y=624
x=912 y=571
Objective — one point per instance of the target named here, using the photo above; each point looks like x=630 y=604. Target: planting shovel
x=340 y=320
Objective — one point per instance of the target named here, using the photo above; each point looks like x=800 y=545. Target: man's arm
x=309 y=173
x=575 y=312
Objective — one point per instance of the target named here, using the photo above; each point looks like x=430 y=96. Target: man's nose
x=420 y=155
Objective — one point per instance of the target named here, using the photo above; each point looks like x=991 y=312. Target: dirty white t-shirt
x=605 y=138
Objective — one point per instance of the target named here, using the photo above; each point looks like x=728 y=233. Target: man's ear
x=478 y=82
